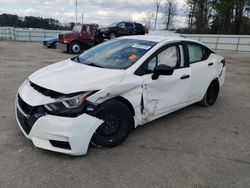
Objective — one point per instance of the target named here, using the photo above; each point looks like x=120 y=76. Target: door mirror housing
x=162 y=70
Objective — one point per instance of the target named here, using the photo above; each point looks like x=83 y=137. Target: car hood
x=50 y=39
x=69 y=77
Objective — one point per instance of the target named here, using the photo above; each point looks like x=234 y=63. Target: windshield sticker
x=132 y=57
x=140 y=46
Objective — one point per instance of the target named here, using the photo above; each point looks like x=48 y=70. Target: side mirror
x=162 y=70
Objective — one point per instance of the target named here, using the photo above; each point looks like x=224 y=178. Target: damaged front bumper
x=68 y=135
x=65 y=135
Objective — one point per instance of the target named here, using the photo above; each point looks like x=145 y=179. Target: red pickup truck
x=81 y=38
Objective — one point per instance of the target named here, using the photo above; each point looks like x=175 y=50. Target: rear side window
x=197 y=53
x=139 y=26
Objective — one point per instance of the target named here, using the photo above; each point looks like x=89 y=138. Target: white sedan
x=103 y=94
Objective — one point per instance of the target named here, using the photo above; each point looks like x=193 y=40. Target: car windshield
x=113 y=24
x=117 y=54
x=77 y=28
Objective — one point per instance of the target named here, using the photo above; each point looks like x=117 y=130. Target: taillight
x=223 y=62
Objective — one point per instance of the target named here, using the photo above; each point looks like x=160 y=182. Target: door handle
x=210 y=64
x=185 y=77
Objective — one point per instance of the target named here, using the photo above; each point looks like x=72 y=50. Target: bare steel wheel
x=75 y=47
x=118 y=122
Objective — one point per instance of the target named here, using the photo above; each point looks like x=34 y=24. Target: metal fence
x=30 y=35
x=236 y=43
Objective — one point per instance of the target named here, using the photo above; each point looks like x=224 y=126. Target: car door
x=86 y=36
x=122 y=29
x=167 y=93
x=201 y=69
x=131 y=29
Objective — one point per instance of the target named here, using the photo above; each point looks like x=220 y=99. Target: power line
x=76 y=10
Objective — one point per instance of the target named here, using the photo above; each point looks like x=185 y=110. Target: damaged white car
x=101 y=95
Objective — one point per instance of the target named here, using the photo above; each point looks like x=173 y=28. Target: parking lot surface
x=194 y=147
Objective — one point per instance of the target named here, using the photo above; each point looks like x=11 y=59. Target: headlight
x=68 y=105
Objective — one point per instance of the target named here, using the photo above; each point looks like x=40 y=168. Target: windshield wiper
x=76 y=59
x=94 y=65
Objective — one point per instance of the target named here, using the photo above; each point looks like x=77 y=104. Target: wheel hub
x=111 y=124
x=76 y=48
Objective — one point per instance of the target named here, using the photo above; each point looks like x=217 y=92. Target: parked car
x=50 y=42
x=101 y=95
x=81 y=38
x=122 y=29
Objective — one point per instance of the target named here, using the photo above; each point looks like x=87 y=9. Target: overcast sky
x=102 y=12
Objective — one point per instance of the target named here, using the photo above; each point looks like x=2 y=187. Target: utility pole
x=82 y=17
x=76 y=11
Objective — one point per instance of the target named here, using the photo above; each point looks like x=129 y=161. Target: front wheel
x=53 y=45
x=75 y=47
x=118 y=122
x=112 y=36
x=211 y=95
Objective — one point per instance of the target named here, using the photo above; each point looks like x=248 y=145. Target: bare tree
x=147 y=20
x=200 y=15
x=192 y=4
x=169 y=13
x=157 y=4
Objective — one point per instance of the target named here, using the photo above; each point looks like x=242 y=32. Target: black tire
x=75 y=47
x=112 y=35
x=53 y=45
x=211 y=94
x=117 y=126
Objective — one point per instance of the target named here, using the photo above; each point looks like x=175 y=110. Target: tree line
x=33 y=22
x=203 y=16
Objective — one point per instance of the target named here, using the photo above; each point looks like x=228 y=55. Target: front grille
x=27 y=115
x=24 y=106
x=23 y=122
x=46 y=92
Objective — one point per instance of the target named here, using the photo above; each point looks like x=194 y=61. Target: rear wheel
x=211 y=95
x=75 y=47
x=118 y=122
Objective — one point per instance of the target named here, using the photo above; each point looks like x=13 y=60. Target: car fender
x=131 y=91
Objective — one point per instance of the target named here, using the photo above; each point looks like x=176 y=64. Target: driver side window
x=152 y=64
x=121 y=25
x=169 y=57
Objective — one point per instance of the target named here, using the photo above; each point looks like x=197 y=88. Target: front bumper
x=62 y=46
x=45 y=43
x=60 y=134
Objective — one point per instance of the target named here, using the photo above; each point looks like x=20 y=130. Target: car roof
x=153 y=38
x=158 y=38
